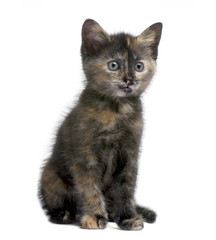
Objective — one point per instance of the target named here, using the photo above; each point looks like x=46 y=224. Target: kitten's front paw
x=133 y=223
x=93 y=222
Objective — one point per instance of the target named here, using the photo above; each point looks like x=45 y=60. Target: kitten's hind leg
x=56 y=198
x=61 y=213
x=148 y=215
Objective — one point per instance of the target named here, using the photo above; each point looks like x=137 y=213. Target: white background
x=41 y=76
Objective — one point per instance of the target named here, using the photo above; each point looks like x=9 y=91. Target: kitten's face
x=119 y=65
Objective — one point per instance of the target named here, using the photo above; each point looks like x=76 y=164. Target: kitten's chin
x=124 y=91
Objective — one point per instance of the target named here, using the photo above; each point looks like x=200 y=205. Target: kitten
x=91 y=174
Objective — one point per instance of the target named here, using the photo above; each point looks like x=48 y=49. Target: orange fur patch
x=89 y=223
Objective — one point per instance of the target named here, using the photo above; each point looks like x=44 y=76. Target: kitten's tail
x=148 y=215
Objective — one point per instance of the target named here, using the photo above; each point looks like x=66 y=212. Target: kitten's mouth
x=126 y=89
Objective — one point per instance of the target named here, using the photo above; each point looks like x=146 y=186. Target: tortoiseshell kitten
x=91 y=174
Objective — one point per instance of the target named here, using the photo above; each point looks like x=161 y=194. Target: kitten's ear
x=94 y=38
x=151 y=38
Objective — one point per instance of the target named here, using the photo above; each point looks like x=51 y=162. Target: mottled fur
x=91 y=173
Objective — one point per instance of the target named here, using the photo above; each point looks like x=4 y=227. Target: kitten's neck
x=103 y=102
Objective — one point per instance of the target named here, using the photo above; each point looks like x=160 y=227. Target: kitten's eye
x=113 y=66
x=139 y=67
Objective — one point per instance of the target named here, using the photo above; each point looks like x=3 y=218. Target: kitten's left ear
x=151 y=38
x=94 y=38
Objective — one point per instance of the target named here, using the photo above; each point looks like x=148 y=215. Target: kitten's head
x=119 y=65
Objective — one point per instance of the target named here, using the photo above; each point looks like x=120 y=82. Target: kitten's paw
x=61 y=217
x=93 y=222
x=134 y=223
x=102 y=222
x=148 y=215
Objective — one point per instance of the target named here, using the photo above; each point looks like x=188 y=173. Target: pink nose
x=129 y=82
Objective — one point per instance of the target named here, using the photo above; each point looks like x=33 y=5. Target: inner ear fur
x=151 y=37
x=94 y=38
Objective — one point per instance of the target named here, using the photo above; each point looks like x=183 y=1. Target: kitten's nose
x=129 y=81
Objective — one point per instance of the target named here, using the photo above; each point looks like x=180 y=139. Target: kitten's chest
x=109 y=120
x=112 y=128
x=115 y=131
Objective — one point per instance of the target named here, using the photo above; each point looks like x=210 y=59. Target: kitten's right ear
x=94 y=38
